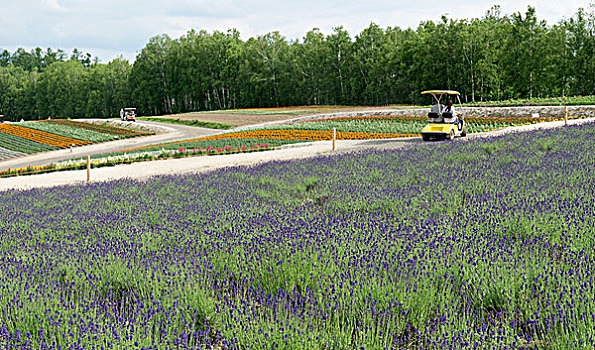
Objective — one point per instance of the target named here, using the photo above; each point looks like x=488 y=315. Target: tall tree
x=493 y=57
x=149 y=85
x=61 y=92
x=339 y=62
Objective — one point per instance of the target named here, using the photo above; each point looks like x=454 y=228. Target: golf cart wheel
x=451 y=136
x=464 y=132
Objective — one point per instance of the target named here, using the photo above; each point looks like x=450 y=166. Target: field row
x=19 y=144
x=40 y=136
x=7 y=153
x=348 y=128
x=101 y=128
x=543 y=101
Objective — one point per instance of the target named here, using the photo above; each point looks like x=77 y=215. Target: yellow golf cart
x=444 y=124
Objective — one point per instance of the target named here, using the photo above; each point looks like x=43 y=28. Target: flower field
x=391 y=125
x=348 y=128
x=19 y=144
x=101 y=128
x=132 y=157
x=351 y=128
x=46 y=135
x=404 y=125
x=546 y=101
x=39 y=136
x=69 y=131
x=7 y=153
x=279 y=137
x=203 y=143
x=465 y=245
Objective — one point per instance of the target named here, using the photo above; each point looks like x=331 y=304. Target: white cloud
x=109 y=27
x=53 y=5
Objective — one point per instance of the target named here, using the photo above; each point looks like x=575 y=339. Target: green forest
x=497 y=56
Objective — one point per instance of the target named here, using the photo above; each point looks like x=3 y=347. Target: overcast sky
x=108 y=28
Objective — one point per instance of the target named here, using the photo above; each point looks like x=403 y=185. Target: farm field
x=348 y=128
x=545 y=101
x=39 y=136
x=7 y=153
x=454 y=245
x=224 y=119
x=190 y=122
x=251 y=116
x=356 y=127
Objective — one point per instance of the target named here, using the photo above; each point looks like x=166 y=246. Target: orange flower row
x=291 y=135
x=305 y=135
x=39 y=136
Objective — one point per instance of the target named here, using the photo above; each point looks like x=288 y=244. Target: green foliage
x=496 y=57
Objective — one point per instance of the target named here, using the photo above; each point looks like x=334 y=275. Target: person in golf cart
x=448 y=113
x=443 y=120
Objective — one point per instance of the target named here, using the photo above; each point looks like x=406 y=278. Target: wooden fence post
x=334 y=137
x=565 y=114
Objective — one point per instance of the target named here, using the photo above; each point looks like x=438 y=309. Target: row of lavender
x=462 y=245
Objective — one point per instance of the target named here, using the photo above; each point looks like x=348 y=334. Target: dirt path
x=203 y=164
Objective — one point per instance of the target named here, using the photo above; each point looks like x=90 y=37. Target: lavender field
x=485 y=243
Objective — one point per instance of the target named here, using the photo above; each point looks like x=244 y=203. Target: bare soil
x=243 y=117
x=127 y=125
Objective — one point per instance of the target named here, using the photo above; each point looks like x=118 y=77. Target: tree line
x=489 y=58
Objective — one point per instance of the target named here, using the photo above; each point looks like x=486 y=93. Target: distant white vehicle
x=128 y=114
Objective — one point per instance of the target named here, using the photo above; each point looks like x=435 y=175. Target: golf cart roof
x=440 y=92
x=130 y=109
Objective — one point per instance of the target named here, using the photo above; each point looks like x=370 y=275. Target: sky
x=110 y=28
